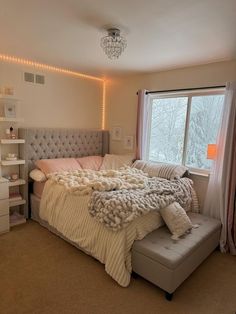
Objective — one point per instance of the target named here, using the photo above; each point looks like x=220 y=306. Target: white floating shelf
x=8 y=97
x=17 y=182
x=11 y=141
x=16 y=219
x=5 y=119
x=18 y=222
x=16 y=203
x=12 y=162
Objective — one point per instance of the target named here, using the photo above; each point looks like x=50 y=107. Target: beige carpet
x=41 y=273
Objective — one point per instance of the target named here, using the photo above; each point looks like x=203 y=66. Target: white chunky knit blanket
x=84 y=182
x=118 y=197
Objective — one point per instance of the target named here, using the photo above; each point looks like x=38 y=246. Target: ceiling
x=161 y=34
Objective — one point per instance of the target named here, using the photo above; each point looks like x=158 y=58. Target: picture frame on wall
x=10 y=110
x=129 y=142
x=116 y=133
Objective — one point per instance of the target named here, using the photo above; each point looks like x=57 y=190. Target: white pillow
x=176 y=220
x=116 y=161
x=37 y=175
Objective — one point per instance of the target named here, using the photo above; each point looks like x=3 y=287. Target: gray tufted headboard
x=42 y=143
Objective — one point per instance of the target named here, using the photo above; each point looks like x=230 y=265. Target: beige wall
x=122 y=99
x=64 y=101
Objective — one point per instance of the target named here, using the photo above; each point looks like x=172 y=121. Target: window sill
x=199 y=174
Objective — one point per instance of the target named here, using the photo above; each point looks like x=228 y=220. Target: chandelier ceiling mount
x=113 y=44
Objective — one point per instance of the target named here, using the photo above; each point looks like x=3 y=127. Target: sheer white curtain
x=143 y=115
x=219 y=187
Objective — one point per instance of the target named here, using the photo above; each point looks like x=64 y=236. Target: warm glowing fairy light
x=103 y=104
x=63 y=71
x=47 y=67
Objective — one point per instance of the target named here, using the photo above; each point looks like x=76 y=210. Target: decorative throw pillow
x=172 y=172
x=60 y=164
x=165 y=171
x=139 y=164
x=90 y=162
x=116 y=161
x=176 y=220
x=37 y=175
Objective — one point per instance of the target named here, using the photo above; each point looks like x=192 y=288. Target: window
x=182 y=125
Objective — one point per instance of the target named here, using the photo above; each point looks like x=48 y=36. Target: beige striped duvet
x=69 y=215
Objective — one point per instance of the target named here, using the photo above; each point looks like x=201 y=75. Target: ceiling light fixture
x=113 y=44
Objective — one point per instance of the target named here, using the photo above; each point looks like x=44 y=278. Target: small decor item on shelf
x=12 y=134
x=8 y=133
x=8 y=177
x=10 y=110
x=14 y=177
x=11 y=156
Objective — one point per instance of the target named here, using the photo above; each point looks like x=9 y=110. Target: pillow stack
x=47 y=166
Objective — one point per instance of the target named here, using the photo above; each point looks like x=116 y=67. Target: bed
x=45 y=143
x=69 y=218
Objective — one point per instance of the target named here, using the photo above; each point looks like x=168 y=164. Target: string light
x=103 y=104
x=47 y=67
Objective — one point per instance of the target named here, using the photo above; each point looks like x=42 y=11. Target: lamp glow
x=211 y=151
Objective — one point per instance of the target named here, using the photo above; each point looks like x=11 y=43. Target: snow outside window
x=182 y=125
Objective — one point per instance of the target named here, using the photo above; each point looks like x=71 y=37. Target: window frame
x=189 y=95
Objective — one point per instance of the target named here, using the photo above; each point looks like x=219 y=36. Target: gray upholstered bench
x=167 y=263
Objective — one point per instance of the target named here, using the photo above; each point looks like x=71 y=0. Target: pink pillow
x=90 y=162
x=60 y=164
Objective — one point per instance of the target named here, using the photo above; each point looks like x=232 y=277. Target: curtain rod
x=182 y=89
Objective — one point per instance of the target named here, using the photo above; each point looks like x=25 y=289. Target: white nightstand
x=4 y=205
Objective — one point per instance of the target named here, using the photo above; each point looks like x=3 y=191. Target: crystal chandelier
x=113 y=44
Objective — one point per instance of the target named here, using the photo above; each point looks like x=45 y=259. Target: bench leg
x=169 y=296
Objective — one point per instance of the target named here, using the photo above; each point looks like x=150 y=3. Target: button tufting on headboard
x=60 y=143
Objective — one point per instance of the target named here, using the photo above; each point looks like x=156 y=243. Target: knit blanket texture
x=117 y=197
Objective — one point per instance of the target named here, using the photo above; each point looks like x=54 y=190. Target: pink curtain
x=141 y=131
x=228 y=235
x=220 y=197
x=230 y=244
